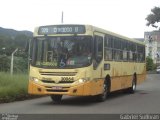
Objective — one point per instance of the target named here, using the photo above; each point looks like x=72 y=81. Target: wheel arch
x=108 y=81
x=135 y=77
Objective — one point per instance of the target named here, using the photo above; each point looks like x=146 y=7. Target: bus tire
x=132 y=89
x=56 y=98
x=102 y=97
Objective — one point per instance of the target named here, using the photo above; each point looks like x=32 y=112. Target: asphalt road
x=145 y=100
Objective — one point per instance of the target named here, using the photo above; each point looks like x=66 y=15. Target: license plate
x=57 y=88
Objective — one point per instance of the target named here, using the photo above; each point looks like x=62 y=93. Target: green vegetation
x=9 y=41
x=154 y=17
x=150 y=65
x=20 y=64
x=13 y=87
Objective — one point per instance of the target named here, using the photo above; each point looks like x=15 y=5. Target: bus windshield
x=62 y=52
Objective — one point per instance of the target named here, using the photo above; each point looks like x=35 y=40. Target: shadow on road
x=84 y=101
x=72 y=101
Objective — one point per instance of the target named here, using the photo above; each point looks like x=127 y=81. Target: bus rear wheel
x=56 y=98
x=132 y=89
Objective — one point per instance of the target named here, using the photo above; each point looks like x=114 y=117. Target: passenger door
x=97 y=62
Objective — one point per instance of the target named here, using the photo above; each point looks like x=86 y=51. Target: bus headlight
x=34 y=79
x=82 y=80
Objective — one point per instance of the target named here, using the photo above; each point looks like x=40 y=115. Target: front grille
x=50 y=90
x=51 y=81
x=66 y=81
x=58 y=73
x=48 y=81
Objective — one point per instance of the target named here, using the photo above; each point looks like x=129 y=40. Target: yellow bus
x=83 y=60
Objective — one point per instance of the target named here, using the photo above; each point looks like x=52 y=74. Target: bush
x=4 y=63
x=13 y=87
x=20 y=64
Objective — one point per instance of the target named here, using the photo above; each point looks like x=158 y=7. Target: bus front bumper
x=83 y=89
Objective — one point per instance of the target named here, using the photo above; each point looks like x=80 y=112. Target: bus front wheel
x=102 y=97
x=56 y=98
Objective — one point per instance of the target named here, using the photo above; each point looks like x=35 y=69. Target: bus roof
x=97 y=29
x=90 y=28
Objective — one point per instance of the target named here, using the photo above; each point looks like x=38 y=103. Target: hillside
x=13 y=33
x=11 y=39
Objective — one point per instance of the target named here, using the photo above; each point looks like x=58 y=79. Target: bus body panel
x=89 y=88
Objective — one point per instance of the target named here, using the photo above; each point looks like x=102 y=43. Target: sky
x=125 y=17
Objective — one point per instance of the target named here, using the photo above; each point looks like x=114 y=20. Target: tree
x=4 y=63
x=154 y=17
x=149 y=63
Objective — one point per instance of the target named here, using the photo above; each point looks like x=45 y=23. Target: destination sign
x=61 y=29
